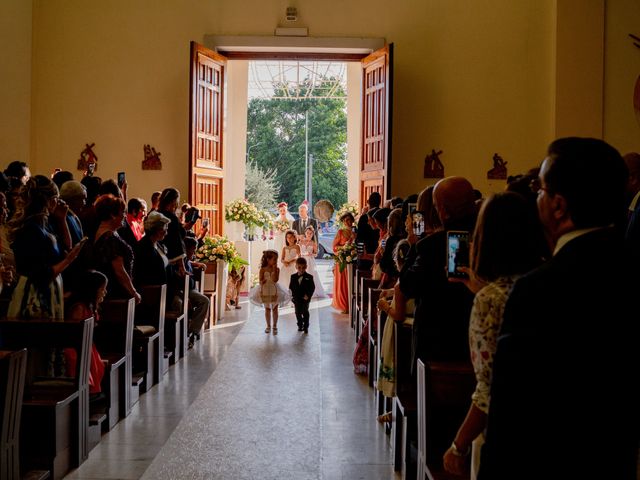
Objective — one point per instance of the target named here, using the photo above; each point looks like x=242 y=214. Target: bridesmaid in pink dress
x=340 y=283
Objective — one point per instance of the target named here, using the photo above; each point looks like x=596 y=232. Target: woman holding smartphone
x=508 y=242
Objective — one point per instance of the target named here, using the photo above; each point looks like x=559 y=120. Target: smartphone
x=90 y=169
x=457 y=252
x=417 y=221
x=121 y=179
x=205 y=222
x=412 y=208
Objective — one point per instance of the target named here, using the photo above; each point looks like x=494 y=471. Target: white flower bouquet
x=345 y=255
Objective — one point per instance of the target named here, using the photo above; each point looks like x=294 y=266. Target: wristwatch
x=458 y=453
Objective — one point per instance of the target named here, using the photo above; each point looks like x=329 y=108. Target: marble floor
x=246 y=405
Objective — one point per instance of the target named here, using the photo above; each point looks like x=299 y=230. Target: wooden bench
x=54 y=432
x=404 y=425
x=148 y=337
x=114 y=340
x=13 y=367
x=444 y=396
x=175 y=326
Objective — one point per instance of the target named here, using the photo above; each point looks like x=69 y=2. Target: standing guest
x=155 y=201
x=62 y=177
x=366 y=235
x=305 y=221
x=508 y=241
x=88 y=214
x=133 y=229
x=84 y=302
x=19 y=170
x=340 y=278
x=75 y=195
x=395 y=233
x=441 y=320
x=40 y=259
x=564 y=397
x=380 y=219
x=302 y=286
x=8 y=259
x=110 y=254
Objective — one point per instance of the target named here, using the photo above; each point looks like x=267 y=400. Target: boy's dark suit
x=301 y=286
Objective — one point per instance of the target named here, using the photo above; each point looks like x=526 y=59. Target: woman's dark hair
x=59 y=178
x=347 y=215
x=396 y=202
x=508 y=239
x=134 y=205
x=266 y=255
x=168 y=196
x=110 y=187
x=108 y=206
x=426 y=206
x=92 y=184
x=374 y=200
x=85 y=289
x=371 y=212
x=190 y=242
x=401 y=252
x=35 y=196
x=591 y=176
x=395 y=225
x=381 y=216
x=16 y=169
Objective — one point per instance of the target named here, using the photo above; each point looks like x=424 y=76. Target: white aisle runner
x=258 y=416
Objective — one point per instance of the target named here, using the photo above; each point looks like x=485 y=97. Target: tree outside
x=276 y=142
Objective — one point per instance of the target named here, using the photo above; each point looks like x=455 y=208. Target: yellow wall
x=15 y=75
x=471 y=78
x=622 y=68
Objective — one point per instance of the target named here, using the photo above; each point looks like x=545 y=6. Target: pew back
x=13 y=366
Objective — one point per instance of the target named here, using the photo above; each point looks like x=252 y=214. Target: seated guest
x=84 y=302
x=110 y=254
x=151 y=266
x=174 y=240
x=40 y=258
x=566 y=363
x=508 y=241
x=133 y=230
x=198 y=303
x=440 y=327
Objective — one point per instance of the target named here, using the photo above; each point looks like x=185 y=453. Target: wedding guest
x=199 y=304
x=155 y=201
x=395 y=233
x=62 y=177
x=341 y=281
x=174 y=240
x=133 y=229
x=110 y=254
x=366 y=235
x=40 y=258
x=75 y=195
x=19 y=170
x=151 y=266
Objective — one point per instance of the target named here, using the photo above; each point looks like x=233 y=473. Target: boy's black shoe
x=306 y=330
x=299 y=328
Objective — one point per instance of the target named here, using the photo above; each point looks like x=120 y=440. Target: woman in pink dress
x=340 y=279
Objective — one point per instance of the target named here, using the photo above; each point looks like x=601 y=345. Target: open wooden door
x=206 y=167
x=377 y=91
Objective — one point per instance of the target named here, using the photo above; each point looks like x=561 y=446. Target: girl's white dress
x=290 y=253
x=278 y=237
x=269 y=293
x=307 y=252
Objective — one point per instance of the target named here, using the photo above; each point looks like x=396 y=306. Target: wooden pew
x=54 y=432
x=148 y=335
x=210 y=289
x=114 y=340
x=366 y=285
x=404 y=426
x=13 y=367
x=175 y=326
x=444 y=396
x=361 y=274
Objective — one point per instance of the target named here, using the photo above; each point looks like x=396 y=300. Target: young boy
x=302 y=288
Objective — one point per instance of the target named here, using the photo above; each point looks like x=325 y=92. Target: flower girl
x=268 y=293
x=290 y=252
x=309 y=250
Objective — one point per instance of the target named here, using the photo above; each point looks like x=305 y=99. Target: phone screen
x=205 y=222
x=457 y=253
x=121 y=179
x=417 y=220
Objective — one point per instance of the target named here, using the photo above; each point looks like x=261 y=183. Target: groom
x=305 y=221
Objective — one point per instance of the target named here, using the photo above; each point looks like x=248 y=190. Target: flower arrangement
x=219 y=247
x=345 y=255
x=351 y=207
x=243 y=211
x=266 y=220
x=281 y=225
x=255 y=280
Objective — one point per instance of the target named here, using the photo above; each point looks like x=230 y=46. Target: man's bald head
x=453 y=198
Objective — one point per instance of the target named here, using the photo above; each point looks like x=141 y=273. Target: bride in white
x=283 y=217
x=309 y=250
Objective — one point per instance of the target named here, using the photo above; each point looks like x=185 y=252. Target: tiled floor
x=245 y=405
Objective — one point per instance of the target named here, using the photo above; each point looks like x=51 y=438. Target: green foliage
x=276 y=140
x=261 y=186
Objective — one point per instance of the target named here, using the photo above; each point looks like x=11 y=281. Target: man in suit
x=302 y=287
x=441 y=322
x=564 y=401
x=305 y=221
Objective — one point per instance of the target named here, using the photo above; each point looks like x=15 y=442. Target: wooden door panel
x=377 y=86
x=206 y=166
